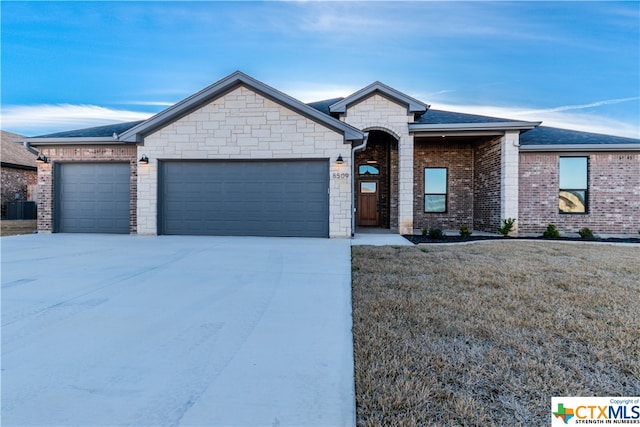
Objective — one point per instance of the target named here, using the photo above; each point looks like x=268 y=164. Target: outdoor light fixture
x=42 y=159
x=144 y=160
x=339 y=160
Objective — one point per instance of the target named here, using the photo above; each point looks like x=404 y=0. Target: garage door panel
x=93 y=198
x=264 y=198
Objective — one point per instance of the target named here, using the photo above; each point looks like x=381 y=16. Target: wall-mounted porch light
x=339 y=160
x=42 y=158
x=144 y=160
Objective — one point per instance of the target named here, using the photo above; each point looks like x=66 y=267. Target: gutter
x=353 y=180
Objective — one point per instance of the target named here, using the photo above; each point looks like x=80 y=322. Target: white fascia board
x=579 y=147
x=137 y=133
x=468 y=127
x=102 y=140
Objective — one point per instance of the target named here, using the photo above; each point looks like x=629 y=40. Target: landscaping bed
x=486 y=334
x=416 y=239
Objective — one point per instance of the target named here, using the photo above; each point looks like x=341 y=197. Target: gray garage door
x=245 y=198
x=92 y=198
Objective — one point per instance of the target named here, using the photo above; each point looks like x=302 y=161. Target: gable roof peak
x=414 y=105
x=222 y=86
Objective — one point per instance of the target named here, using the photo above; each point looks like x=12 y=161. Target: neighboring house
x=242 y=158
x=18 y=171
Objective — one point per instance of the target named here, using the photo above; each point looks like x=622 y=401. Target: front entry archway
x=376 y=170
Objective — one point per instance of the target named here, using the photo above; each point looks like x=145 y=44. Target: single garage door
x=92 y=198
x=245 y=198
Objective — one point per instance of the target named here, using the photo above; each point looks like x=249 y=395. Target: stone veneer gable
x=243 y=124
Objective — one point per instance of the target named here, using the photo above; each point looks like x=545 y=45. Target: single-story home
x=18 y=172
x=243 y=158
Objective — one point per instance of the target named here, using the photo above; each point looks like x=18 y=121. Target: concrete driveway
x=176 y=331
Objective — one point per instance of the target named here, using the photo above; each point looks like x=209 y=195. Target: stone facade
x=613 y=199
x=15 y=181
x=509 y=155
x=376 y=112
x=85 y=154
x=243 y=124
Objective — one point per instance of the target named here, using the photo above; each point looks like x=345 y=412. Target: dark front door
x=368 y=203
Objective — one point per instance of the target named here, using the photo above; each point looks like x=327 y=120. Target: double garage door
x=244 y=198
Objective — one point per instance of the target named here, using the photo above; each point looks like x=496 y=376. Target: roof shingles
x=14 y=153
x=94 y=132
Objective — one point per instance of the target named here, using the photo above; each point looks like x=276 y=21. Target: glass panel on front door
x=368 y=187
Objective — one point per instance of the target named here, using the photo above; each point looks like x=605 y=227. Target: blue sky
x=69 y=65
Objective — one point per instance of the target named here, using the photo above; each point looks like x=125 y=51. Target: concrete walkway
x=176 y=331
x=382 y=239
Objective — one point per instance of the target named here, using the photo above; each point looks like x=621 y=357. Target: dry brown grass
x=485 y=334
x=12 y=228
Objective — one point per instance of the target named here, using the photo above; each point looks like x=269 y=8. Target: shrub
x=465 y=231
x=435 y=234
x=424 y=231
x=586 y=233
x=551 y=232
x=507 y=226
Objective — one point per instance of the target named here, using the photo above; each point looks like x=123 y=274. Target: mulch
x=415 y=239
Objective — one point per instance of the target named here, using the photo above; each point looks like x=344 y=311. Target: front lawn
x=485 y=334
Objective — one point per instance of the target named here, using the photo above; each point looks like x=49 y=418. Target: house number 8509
x=340 y=175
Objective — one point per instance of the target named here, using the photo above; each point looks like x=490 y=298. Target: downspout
x=353 y=180
x=30 y=148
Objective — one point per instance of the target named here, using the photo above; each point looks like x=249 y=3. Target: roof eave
x=18 y=166
x=495 y=128
x=137 y=133
x=73 y=141
x=579 y=147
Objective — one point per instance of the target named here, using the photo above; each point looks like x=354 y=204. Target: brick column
x=405 y=184
x=509 y=163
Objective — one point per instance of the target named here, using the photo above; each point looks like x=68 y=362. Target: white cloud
x=554 y=117
x=149 y=103
x=581 y=106
x=40 y=119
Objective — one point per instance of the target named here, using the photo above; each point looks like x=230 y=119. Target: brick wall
x=613 y=201
x=12 y=181
x=486 y=188
x=243 y=124
x=86 y=154
x=458 y=159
